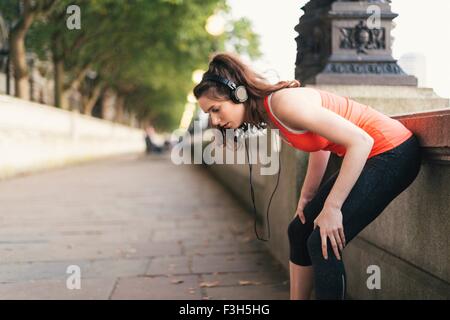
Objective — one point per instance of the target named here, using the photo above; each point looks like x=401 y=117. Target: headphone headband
x=238 y=93
x=230 y=84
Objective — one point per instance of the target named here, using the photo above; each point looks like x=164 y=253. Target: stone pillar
x=348 y=42
x=343 y=48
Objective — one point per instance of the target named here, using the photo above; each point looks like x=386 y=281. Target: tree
x=23 y=14
x=143 y=51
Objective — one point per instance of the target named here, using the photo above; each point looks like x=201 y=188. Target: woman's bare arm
x=317 y=164
x=301 y=108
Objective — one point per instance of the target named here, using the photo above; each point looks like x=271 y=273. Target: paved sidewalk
x=138 y=227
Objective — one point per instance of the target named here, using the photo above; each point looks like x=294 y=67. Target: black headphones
x=238 y=94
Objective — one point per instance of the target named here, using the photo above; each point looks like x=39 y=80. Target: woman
x=381 y=158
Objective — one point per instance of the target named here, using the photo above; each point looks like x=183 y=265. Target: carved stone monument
x=348 y=42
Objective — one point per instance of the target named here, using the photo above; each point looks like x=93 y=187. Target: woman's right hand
x=302 y=201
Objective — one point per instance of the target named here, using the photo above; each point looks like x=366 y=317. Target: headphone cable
x=253 y=193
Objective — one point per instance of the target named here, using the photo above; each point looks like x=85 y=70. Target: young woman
x=381 y=158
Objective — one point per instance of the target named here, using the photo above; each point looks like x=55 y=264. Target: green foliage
x=146 y=50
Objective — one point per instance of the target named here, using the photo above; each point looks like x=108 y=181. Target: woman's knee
x=314 y=244
x=297 y=231
x=298 y=234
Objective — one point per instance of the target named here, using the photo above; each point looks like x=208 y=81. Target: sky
x=421 y=27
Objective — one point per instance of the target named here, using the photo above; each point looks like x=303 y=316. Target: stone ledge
x=433 y=130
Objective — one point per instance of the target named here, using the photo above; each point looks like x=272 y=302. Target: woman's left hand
x=330 y=222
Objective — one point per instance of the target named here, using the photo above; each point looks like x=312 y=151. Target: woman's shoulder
x=295 y=97
x=290 y=103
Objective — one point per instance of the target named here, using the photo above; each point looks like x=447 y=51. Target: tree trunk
x=58 y=72
x=119 y=109
x=108 y=98
x=87 y=108
x=60 y=101
x=76 y=83
x=18 y=55
x=30 y=9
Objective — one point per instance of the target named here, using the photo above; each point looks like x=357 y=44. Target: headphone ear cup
x=240 y=94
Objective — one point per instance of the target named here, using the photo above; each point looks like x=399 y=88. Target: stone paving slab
x=85 y=251
x=263 y=292
x=167 y=288
x=202 y=248
x=138 y=227
x=246 y=278
x=231 y=263
x=169 y=265
x=56 y=289
x=110 y=268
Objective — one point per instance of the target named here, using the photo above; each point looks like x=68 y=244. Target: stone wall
x=35 y=137
x=409 y=241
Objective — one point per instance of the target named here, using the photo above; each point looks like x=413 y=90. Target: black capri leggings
x=382 y=179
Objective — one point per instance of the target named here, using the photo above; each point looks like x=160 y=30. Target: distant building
x=414 y=63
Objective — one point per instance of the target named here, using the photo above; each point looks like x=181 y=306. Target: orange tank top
x=386 y=132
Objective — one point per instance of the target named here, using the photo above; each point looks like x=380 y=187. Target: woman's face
x=225 y=114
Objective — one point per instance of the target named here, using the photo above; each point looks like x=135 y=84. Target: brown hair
x=231 y=67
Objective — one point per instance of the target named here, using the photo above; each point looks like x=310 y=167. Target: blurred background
x=131 y=62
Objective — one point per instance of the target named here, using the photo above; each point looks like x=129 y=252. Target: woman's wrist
x=305 y=194
x=332 y=204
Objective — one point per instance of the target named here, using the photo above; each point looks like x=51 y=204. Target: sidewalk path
x=138 y=227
